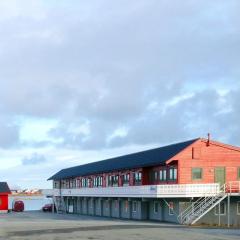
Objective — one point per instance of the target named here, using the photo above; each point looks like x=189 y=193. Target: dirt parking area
x=47 y=226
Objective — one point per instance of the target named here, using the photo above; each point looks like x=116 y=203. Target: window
x=109 y=180
x=155 y=176
x=137 y=178
x=238 y=208
x=116 y=204
x=56 y=184
x=222 y=209
x=115 y=181
x=163 y=175
x=155 y=207
x=126 y=206
x=84 y=182
x=238 y=174
x=196 y=173
x=170 y=208
x=88 y=182
x=134 y=209
x=172 y=174
x=126 y=179
x=97 y=181
x=78 y=183
x=107 y=204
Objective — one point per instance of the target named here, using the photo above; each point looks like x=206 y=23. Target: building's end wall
x=199 y=155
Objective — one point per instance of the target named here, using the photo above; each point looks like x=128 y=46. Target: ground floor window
x=238 y=208
x=126 y=206
x=107 y=204
x=222 y=209
x=134 y=206
x=116 y=204
x=155 y=207
x=170 y=208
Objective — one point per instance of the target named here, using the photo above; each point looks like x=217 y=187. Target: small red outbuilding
x=4 y=192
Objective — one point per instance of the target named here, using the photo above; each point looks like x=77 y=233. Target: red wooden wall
x=207 y=157
x=3 y=201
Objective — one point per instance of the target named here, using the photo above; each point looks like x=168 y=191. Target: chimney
x=208 y=141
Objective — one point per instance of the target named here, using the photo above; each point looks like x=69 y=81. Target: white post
x=219 y=217
x=228 y=210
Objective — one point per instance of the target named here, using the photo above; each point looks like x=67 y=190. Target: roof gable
x=228 y=146
x=147 y=158
x=4 y=188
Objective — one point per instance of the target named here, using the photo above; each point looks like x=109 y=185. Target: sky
x=82 y=81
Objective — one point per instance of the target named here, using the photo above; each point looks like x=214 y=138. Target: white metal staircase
x=60 y=204
x=204 y=204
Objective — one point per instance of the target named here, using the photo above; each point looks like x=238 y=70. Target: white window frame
x=154 y=209
x=170 y=209
x=217 y=208
x=116 y=204
x=134 y=206
x=126 y=205
x=238 y=208
x=107 y=205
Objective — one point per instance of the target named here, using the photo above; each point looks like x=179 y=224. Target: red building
x=4 y=192
x=164 y=184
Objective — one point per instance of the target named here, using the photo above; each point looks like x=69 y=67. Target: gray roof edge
x=144 y=165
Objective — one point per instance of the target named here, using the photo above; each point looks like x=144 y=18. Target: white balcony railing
x=147 y=191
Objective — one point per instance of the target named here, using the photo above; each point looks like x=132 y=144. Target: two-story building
x=196 y=181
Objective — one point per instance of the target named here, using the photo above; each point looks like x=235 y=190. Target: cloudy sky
x=86 y=80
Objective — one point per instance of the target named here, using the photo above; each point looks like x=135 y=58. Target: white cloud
x=104 y=76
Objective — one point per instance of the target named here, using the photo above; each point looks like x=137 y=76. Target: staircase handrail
x=201 y=201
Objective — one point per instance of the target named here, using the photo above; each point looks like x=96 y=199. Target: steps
x=201 y=207
x=60 y=204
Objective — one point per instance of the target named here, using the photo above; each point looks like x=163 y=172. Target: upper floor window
x=172 y=174
x=126 y=179
x=72 y=183
x=163 y=175
x=97 y=181
x=238 y=173
x=56 y=184
x=137 y=177
x=84 y=182
x=196 y=173
x=78 y=183
x=63 y=185
x=113 y=180
x=88 y=182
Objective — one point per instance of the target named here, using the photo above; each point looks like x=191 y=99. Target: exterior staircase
x=204 y=204
x=60 y=204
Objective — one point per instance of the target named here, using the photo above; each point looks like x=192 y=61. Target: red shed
x=4 y=192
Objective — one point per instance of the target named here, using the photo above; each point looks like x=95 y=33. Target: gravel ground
x=48 y=226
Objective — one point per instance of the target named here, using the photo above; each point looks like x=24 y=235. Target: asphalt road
x=48 y=226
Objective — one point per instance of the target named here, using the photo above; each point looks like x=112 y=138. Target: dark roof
x=4 y=188
x=147 y=158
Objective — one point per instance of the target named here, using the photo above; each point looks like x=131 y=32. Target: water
x=31 y=203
